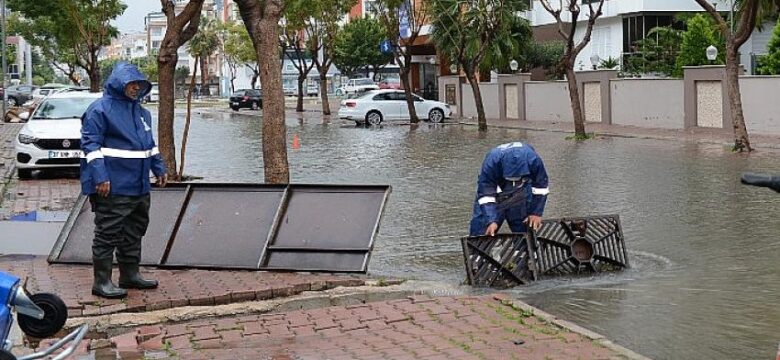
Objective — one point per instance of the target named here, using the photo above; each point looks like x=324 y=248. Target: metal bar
x=182 y=210
x=62 y=238
x=300 y=249
x=271 y=236
x=499 y=265
x=467 y=260
x=376 y=228
x=74 y=337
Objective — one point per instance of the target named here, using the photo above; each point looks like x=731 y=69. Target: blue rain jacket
x=117 y=140
x=508 y=168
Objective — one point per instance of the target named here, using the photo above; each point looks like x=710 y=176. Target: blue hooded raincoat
x=116 y=138
x=508 y=168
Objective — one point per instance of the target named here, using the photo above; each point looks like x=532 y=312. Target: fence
x=699 y=99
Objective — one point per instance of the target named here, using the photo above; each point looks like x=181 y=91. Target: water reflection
x=703 y=282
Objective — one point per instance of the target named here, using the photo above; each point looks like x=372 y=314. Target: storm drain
x=247 y=226
x=561 y=247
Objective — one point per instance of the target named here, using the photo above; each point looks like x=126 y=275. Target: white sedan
x=52 y=136
x=377 y=106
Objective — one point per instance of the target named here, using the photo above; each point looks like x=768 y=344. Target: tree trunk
x=186 y=134
x=574 y=97
x=481 y=119
x=94 y=73
x=204 y=76
x=407 y=84
x=166 y=62
x=324 y=93
x=741 y=140
x=299 y=106
x=262 y=22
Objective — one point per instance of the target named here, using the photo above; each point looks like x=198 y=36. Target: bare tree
x=294 y=37
x=571 y=51
x=749 y=12
x=262 y=22
x=180 y=29
x=394 y=13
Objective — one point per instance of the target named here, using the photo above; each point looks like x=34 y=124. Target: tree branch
x=557 y=15
x=747 y=21
x=715 y=15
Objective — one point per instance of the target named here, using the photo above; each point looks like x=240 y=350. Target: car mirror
x=25 y=115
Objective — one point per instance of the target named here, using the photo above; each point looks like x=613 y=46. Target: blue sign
x=386 y=47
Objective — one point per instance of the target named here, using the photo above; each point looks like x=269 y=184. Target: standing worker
x=116 y=137
x=512 y=186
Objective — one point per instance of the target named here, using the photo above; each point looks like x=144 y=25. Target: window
x=636 y=27
x=156 y=44
x=157 y=31
x=381 y=97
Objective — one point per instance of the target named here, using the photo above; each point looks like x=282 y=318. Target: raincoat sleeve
x=539 y=186
x=93 y=128
x=158 y=165
x=487 y=186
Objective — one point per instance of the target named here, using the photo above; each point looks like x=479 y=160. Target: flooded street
x=703 y=248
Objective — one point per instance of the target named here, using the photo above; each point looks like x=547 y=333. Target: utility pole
x=5 y=67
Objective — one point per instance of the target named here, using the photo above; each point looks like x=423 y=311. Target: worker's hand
x=491 y=229
x=104 y=188
x=533 y=222
x=162 y=180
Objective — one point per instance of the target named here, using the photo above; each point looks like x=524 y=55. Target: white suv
x=51 y=138
x=357 y=86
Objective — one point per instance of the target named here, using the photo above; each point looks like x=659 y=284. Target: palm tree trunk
x=204 y=76
x=186 y=134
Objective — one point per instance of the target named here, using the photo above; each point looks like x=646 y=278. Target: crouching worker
x=512 y=186
x=116 y=138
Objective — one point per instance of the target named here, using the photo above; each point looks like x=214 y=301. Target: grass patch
x=168 y=348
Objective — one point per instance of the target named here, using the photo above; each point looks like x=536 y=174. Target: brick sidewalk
x=482 y=327
x=73 y=283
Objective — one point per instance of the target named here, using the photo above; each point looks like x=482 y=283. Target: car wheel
x=373 y=118
x=13 y=101
x=235 y=108
x=24 y=174
x=260 y=104
x=436 y=116
x=254 y=105
x=5 y=355
x=339 y=92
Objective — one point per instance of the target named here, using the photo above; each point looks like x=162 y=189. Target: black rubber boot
x=130 y=277
x=102 y=285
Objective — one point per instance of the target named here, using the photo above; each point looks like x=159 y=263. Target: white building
x=625 y=21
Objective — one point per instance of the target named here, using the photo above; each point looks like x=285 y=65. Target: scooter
x=40 y=316
x=762 y=180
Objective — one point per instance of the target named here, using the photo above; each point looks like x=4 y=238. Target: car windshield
x=364 y=82
x=64 y=108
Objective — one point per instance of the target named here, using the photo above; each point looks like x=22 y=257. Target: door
x=386 y=105
x=400 y=102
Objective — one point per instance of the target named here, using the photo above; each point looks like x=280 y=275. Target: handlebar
x=762 y=180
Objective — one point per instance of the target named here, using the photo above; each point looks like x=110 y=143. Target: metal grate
x=560 y=247
x=247 y=226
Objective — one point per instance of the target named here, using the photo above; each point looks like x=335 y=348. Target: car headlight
x=27 y=139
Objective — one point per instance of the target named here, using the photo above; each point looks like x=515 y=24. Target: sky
x=133 y=18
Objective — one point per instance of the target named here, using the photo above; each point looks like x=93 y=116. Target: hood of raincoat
x=123 y=74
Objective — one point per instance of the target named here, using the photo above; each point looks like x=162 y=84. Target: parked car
x=312 y=89
x=154 y=94
x=391 y=81
x=19 y=94
x=51 y=138
x=289 y=90
x=47 y=90
x=246 y=98
x=354 y=86
x=377 y=106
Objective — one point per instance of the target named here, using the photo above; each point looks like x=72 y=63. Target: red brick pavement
x=413 y=328
x=177 y=287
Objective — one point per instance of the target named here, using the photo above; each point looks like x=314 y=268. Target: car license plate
x=234 y=103
x=64 y=154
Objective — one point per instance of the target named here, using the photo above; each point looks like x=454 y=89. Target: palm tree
x=202 y=46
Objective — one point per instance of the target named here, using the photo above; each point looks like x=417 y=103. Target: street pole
x=2 y=35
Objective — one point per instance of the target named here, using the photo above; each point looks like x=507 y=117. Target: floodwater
x=703 y=248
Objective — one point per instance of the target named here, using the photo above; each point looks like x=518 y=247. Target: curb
x=570 y=326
